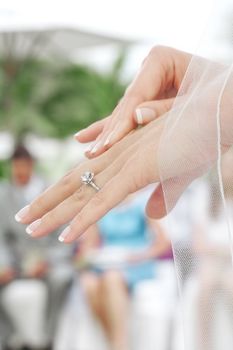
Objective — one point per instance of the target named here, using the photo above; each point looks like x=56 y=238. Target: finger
x=61 y=214
x=165 y=196
x=148 y=111
x=157 y=78
x=91 y=132
x=96 y=150
x=55 y=194
x=122 y=115
x=150 y=83
x=125 y=181
x=72 y=181
x=161 y=74
x=143 y=114
x=126 y=123
x=114 y=192
x=66 y=210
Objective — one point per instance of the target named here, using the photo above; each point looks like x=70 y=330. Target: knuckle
x=52 y=218
x=132 y=94
x=38 y=205
x=79 y=195
x=157 y=49
x=131 y=176
x=79 y=220
x=167 y=106
x=66 y=181
x=142 y=176
x=160 y=51
x=99 y=199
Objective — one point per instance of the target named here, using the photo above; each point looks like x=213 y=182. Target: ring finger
x=71 y=206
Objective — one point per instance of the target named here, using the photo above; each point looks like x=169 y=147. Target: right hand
x=150 y=95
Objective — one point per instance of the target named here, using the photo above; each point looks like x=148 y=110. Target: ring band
x=87 y=179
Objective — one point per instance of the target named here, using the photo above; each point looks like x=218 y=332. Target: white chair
x=152 y=310
x=24 y=302
x=77 y=329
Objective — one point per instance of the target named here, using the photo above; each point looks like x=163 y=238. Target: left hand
x=114 y=173
x=132 y=164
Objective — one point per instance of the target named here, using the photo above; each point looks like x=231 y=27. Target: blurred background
x=64 y=65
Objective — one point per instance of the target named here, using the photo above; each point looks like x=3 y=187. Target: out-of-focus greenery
x=55 y=100
x=4 y=169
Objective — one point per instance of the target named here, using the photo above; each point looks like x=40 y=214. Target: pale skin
x=150 y=95
x=107 y=294
x=129 y=164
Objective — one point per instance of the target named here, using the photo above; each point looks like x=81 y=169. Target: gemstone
x=87 y=177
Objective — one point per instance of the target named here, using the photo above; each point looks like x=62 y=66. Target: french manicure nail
x=22 y=214
x=95 y=148
x=108 y=139
x=143 y=114
x=88 y=149
x=31 y=228
x=64 y=234
x=77 y=134
x=139 y=116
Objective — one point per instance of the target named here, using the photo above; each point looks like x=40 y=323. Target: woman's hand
x=150 y=95
x=127 y=167
x=175 y=149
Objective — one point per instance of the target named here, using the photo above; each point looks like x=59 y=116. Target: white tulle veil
x=196 y=144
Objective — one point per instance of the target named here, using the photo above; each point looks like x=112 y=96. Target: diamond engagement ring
x=87 y=179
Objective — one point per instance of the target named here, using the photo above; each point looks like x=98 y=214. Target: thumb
x=148 y=111
x=165 y=197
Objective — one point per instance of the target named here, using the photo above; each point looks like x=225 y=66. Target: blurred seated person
x=213 y=246
x=23 y=258
x=119 y=253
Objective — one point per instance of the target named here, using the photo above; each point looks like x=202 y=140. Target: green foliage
x=54 y=100
x=80 y=97
x=4 y=169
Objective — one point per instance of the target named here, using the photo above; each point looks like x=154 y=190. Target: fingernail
x=22 y=213
x=108 y=139
x=139 y=116
x=95 y=148
x=77 y=134
x=31 y=228
x=88 y=148
x=144 y=113
x=64 y=234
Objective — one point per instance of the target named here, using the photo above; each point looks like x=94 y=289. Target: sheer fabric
x=196 y=143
